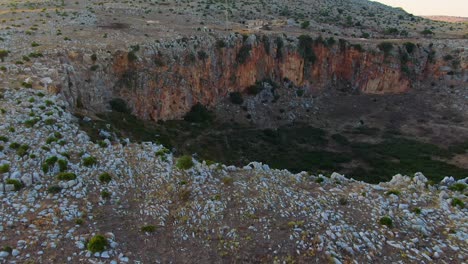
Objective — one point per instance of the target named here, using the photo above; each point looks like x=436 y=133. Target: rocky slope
x=153 y=207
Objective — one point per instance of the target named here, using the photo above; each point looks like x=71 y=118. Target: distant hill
x=451 y=19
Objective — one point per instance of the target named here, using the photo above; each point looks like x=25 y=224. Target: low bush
x=98 y=243
x=105 y=177
x=18 y=184
x=89 y=161
x=386 y=221
x=184 y=162
x=148 y=228
x=66 y=176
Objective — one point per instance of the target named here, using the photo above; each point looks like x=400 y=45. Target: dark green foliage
x=427 y=32
x=132 y=57
x=457 y=202
x=97 y=244
x=94 y=68
x=3 y=54
x=15 y=145
x=305 y=49
x=105 y=177
x=358 y=47
x=220 y=44
x=331 y=41
x=391 y=31
x=198 y=114
x=300 y=92
x=4 y=139
x=202 y=55
x=243 y=54
x=105 y=194
x=148 y=228
x=22 y=150
x=7 y=249
x=319 y=180
x=279 y=47
x=255 y=89
x=236 y=98
x=31 y=122
x=305 y=24
x=410 y=47
x=89 y=161
x=184 y=162
x=386 y=47
x=266 y=44
x=119 y=105
x=458 y=187
x=66 y=176
x=18 y=185
x=416 y=210
x=94 y=57
x=63 y=165
x=394 y=192
x=386 y=221
x=5 y=168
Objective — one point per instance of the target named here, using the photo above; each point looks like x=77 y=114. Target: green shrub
x=409 y=47
x=119 y=105
x=94 y=68
x=395 y=192
x=148 y=228
x=102 y=144
x=54 y=189
x=305 y=24
x=89 y=161
x=458 y=187
x=51 y=161
x=106 y=194
x=63 y=165
x=319 y=180
x=198 y=114
x=105 y=177
x=305 y=48
x=4 y=139
x=236 y=98
x=50 y=121
x=457 y=202
x=18 y=185
x=97 y=244
x=79 y=221
x=184 y=162
x=7 y=249
x=243 y=54
x=386 y=47
x=22 y=150
x=386 y=221
x=132 y=57
x=14 y=145
x=3 y=54
x=417 y=210
x=66 y=176
x=162 y=152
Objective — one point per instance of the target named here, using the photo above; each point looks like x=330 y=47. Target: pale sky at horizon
x=431 y=7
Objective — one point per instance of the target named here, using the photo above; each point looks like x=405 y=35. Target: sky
x=431 y=7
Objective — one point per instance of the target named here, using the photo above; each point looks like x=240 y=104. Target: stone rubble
x=213 y=206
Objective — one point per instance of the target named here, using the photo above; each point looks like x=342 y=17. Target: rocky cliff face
x=163 y=81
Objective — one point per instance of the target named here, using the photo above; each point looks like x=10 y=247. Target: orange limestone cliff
x=165 y=81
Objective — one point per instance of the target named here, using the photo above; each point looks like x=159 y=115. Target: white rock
x=15 y=252
x=4 y=254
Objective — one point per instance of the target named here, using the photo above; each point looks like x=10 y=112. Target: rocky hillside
x=67 y=199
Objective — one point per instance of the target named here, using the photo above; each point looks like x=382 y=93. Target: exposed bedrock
x=164 y=80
